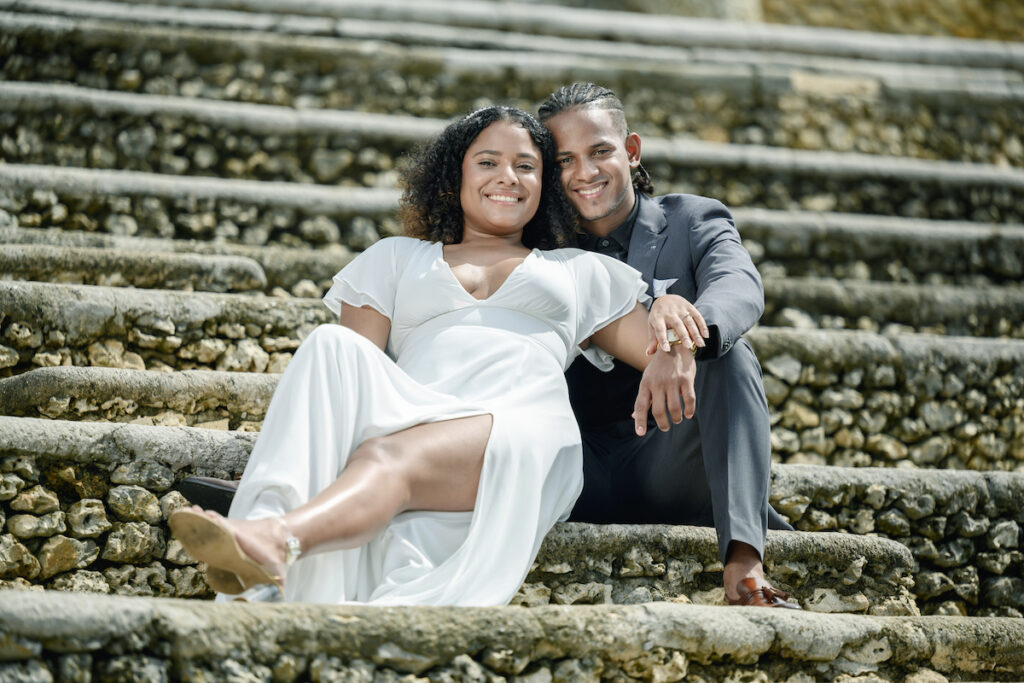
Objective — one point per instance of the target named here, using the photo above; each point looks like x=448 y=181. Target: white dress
x=449 y=355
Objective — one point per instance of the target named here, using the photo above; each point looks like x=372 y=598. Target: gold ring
x=693 y=348
x=687 y=315
x=674 y=342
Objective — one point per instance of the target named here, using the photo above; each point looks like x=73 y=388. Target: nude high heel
x=231 y=570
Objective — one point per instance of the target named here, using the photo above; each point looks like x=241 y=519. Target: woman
x=431 y=473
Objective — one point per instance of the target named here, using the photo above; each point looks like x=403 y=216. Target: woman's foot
x=239 y=553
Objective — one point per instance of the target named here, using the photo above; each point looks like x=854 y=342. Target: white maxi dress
x=449 y=355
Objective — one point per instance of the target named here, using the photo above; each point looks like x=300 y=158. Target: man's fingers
x=660 y=333
x=675 y=407
x=658 y=410
x=640 y=408
x=689 y=400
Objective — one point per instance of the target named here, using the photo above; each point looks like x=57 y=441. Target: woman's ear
x=633 y=149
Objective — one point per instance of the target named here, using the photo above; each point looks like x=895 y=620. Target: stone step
x=697 y=30
x=789 y=302
x=299 y=272
x=963 y=528
x=782 y=244
x=128 y=203
x=657 y=38
x=311 y=215
x=125 y=268
x=159 y=640
x=836 y=397
x=847 y=398
x=203 y=398
x=937 y=309
x=806 y=243
x=59 y=124
x=760 y=97
x=52 y=324
x=66 y=125
x=126 y=474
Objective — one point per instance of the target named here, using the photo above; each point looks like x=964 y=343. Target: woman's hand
x=673 y=312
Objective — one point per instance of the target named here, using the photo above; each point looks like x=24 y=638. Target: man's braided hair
x=589 y=95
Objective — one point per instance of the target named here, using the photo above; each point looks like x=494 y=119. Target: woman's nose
x=508 y=174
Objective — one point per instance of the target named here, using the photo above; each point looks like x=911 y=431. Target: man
x=708 y=462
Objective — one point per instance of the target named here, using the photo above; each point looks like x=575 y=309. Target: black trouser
x=712 y=470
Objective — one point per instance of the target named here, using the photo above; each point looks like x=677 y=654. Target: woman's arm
x=626 y=338
x=368 y=322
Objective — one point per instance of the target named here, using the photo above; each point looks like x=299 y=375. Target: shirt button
x=604 y=243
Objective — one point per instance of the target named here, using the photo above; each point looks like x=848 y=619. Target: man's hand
x=673 y=312
x=668 y=377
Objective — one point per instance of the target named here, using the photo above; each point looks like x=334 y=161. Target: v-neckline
x=455 y=280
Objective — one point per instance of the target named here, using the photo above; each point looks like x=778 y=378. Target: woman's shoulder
x=398 y=245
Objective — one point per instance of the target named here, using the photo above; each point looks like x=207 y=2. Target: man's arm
x=730 y=295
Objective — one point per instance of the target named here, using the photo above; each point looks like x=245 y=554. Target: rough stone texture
x=165 y=330
x=856 y=398
x=992 y=20
x=284 y=268
x=162 y=205
x=963 y=528
x=882 y=248
x=626 y=564
x=652 y=642
x=182 y=272
x=935 y=309
x=188 y=397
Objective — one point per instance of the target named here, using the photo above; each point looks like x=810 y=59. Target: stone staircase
x=180 y=179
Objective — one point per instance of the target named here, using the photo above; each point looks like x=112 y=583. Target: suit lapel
x=648 y=237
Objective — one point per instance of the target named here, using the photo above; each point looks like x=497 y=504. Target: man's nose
x=585 y=169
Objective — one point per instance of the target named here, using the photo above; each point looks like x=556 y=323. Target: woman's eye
x=526 y=167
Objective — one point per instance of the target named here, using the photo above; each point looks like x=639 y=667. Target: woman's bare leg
x=433 y=466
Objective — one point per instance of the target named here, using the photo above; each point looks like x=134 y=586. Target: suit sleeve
x=730 y=294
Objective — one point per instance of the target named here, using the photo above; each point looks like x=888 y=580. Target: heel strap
x=294 y=547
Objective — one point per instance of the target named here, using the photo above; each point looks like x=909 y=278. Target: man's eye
x=601 y=152
x=564 y=161
x=487 y=162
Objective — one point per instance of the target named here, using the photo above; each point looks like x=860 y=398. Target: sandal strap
x=292 y=544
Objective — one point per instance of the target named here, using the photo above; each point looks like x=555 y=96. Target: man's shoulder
x=676 y=204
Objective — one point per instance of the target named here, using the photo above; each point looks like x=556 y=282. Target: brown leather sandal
x=765 y=595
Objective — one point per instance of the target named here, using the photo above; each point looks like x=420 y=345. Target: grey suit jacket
x=688 y=245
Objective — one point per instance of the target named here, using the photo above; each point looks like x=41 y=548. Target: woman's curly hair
x=431 y=182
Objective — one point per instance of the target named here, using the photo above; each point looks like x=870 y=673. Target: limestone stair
x=245 y=147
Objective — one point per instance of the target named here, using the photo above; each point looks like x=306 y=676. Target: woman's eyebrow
x=528 y=155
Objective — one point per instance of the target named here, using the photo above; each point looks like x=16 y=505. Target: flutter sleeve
x=606 y=290
x=370 y=279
